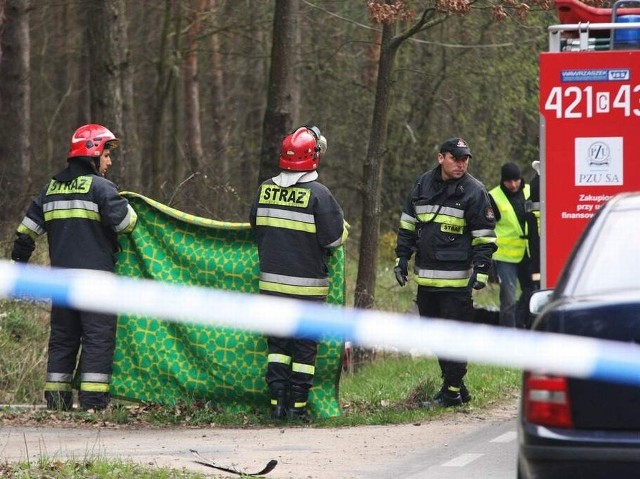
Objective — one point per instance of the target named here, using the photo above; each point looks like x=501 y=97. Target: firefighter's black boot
x=465 y=395
x=448 y=396
x=298 y=414
x=279 y=402
x=59 y=400
x=297 y=410
x=93 y=400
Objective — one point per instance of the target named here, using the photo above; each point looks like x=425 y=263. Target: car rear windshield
x=613 y=264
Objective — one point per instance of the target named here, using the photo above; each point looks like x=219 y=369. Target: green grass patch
x=388 y=390
x=48 y=468
x=392 y=388
x=24 y=332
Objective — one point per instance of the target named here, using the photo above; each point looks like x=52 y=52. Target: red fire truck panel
x=590 y=142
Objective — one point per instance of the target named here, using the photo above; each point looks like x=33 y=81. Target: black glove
x=479 y=277
x=401 y=270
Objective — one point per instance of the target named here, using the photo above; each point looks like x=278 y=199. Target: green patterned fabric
x=163 y=362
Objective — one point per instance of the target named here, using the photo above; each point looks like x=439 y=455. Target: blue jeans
x=514 y=311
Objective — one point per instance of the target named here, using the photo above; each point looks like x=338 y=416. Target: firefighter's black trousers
x=92 y=333
x=291 y=367
x=447 y=305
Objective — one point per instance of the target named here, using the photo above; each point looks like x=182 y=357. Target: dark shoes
x=298 y=414
x=278 y=413
x=465 y=395
x=449 y=396
x=95 y=401
x=278 y=410
x=283 y=408
x=63 y=400
x=59 y=400
x=281 y=414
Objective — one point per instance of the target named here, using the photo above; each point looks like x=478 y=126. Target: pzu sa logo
x=619 y=75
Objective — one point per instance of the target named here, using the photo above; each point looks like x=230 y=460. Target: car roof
x=626 y=200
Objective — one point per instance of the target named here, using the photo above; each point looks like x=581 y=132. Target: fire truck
x=589 y=121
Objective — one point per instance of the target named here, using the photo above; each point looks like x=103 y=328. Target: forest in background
x=190 y=88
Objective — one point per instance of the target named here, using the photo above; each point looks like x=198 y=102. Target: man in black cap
x=448 y=221
x=512 y=258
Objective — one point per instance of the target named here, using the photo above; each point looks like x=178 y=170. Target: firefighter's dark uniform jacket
x=450 y=226
x=296 y=227
x=81 y=213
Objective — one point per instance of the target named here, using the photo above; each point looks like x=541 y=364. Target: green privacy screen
x=162 y=362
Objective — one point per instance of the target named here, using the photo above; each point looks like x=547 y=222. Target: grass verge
x=91 y=468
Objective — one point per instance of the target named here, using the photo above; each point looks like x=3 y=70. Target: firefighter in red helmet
x=81 y=213
x=296 y=221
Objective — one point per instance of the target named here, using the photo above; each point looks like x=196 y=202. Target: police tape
x=105 y=292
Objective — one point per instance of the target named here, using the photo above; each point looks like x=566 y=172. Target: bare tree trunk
x=3 y=21
x=105 y=52
x=252 y=103
x=176 y=156
x=131 y=154
x=218 y=105
x=64 y=81
x=373 y=165
x=372 y=175
x=281 y=109
x=164 y=86
x=83 y=107
x=194 y=151
x=15 y=104
x=370 y=73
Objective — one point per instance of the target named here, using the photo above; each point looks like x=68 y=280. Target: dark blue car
x=577 y=428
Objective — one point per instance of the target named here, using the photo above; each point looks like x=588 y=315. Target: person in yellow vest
x=512 y=259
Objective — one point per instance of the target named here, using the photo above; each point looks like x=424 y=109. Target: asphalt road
x=486 y=452
x=451 y=447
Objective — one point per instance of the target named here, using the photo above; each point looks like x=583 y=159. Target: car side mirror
x=539 y=299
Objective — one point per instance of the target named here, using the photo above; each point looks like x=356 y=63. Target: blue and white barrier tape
x=105 y=292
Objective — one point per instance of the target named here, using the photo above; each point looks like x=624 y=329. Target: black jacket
x=295 y=228
x=450 y=226
x=81 y=213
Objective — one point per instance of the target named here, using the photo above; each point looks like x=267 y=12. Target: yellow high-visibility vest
x=512 y=241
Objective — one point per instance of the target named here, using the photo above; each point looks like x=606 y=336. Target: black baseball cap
x=457 y=147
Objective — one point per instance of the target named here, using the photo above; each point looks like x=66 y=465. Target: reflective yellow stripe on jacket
x=442 y=278
x=31 y=228
x=454 y=217
x=57 y=210
x=292 y=220
x=280 y=283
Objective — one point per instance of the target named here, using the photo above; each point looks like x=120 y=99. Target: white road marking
x=506 y=437
x=462 y=460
